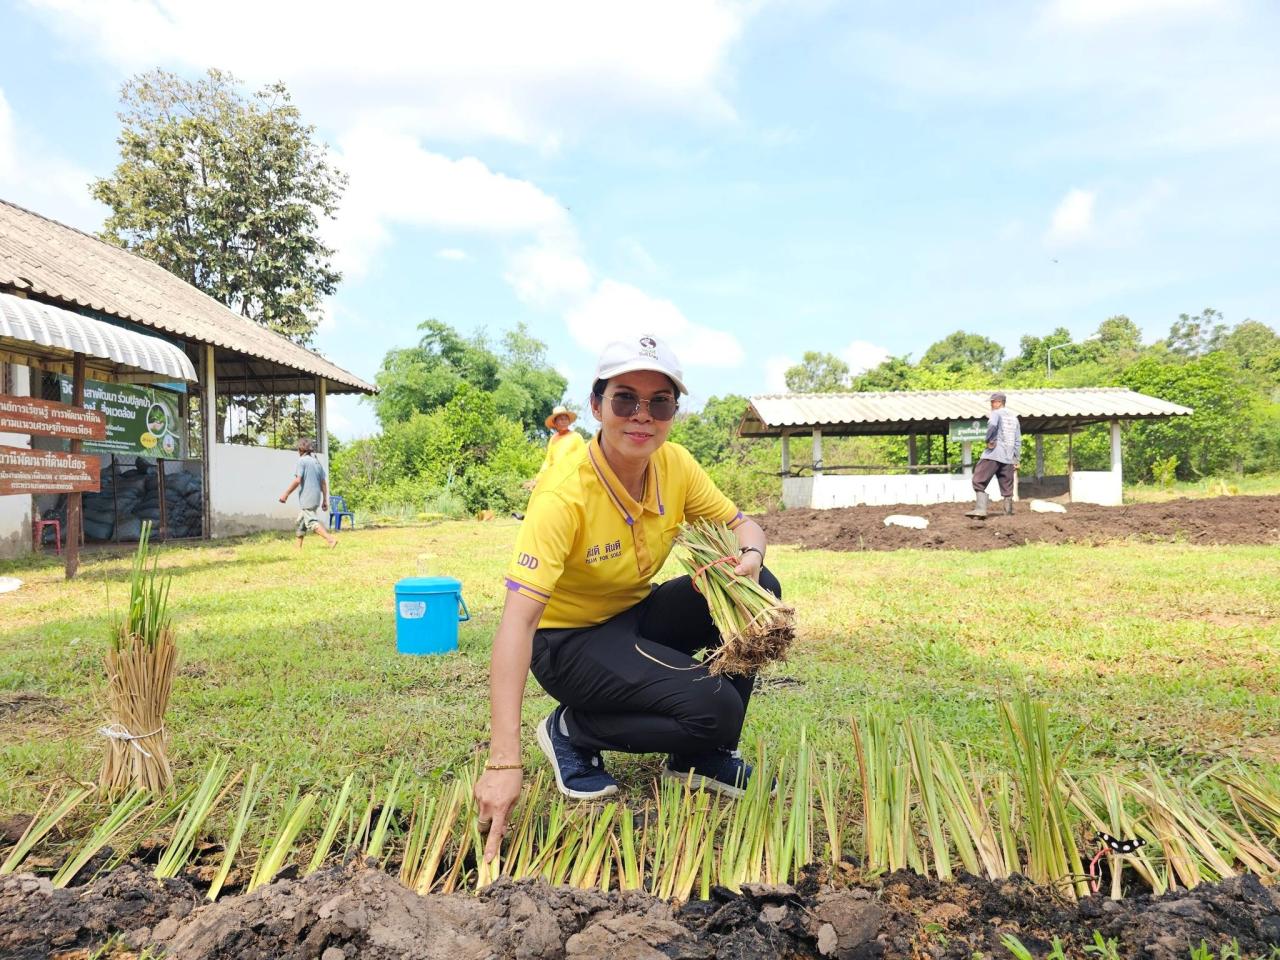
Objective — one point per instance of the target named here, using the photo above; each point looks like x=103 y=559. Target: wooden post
x=209 y=406
x=71 y=552
x=817 y=451
x=322 y=418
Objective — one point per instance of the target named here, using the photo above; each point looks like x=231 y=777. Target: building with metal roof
x=68 y=298
x=957 y=415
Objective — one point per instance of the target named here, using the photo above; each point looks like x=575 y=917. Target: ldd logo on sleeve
x=527 y=561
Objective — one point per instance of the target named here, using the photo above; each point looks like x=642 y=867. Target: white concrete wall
x=15 y=510
x=245 y=486
x=1103 y=487
x=825 y=492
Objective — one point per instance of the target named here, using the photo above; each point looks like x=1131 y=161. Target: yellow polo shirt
x=560 y=447
x=588 y=550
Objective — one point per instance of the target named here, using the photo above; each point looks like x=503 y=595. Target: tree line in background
x=462 y=424
x=1229 y=375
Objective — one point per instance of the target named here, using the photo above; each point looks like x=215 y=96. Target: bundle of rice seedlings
x=755 y=627
x=140 y=663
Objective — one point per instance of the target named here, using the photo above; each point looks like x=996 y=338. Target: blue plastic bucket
x=428 y=611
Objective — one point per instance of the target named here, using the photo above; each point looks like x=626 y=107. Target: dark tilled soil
x=1220 y=520
x=355 y=911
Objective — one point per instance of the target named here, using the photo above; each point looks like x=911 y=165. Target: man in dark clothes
x=1000 y=459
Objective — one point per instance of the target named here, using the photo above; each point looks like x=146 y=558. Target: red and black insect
x=1110 y=845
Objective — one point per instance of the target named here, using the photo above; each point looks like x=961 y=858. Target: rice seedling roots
x=356 y=910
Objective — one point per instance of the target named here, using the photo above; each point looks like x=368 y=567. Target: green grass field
x=1259 y=484
x=1165 y=651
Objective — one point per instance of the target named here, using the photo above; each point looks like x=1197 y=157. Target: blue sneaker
x=723 y=771
x=580 y=774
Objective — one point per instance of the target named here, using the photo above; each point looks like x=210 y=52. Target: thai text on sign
x=50 y=419
x=47 y=471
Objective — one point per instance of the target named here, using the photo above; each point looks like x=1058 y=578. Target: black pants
x=620 y=698
x=986 y=469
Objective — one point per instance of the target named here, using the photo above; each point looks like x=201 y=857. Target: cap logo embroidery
x=648 y=342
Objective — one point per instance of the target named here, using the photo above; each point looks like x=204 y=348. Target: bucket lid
x=429 y=585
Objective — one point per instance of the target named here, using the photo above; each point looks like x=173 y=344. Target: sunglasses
x=626 y=404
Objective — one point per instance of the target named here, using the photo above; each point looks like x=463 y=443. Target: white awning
x=54 y=333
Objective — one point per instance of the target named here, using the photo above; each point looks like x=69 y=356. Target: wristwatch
x=745 y=550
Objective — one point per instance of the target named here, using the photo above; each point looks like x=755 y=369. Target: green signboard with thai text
x=141 y=421
x=967 y=430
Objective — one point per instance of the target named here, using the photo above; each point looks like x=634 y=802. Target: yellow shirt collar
x=627 y=505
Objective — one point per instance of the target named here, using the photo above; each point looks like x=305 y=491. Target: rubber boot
x=1008 y=505
x=980 y=509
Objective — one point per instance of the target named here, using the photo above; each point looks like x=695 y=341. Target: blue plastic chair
x=338 y=510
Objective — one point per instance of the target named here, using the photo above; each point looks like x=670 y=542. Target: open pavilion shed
x=66 y=295
x=960 y=415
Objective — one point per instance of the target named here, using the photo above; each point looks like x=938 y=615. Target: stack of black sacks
x=129 y=497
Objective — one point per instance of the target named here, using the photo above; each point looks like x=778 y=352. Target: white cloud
x=775 y=373
x=395 y=180
x=861 y=356
x=1160 y=76
x=1072 y=219
x=35 y=176
x=453 y=253
x=525 y=72
x=1092 y=12
x=549 y=275
x=618 y=310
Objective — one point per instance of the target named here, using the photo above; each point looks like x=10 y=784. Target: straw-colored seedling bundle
x=755 y=626
x=140 y=663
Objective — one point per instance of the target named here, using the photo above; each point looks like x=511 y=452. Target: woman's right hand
x=496 y=793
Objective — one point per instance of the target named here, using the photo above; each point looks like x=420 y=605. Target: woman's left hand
x=749 y=565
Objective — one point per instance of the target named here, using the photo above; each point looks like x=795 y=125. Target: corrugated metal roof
x=899 y=412
x=67 y=333
x=58 y=262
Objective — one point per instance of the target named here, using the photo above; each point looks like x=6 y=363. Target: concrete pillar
x=911 y=451
x=1039 y=457
x=1116 y=466
x=786 y=453
x=966 y=458
x=817 y=451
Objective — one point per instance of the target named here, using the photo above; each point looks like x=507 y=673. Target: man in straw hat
x=564 y=440
x=1000 y=459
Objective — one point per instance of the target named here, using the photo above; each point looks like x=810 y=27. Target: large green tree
x=426 y=376
x=227 y=191
x=818 y=372
x=960 y=350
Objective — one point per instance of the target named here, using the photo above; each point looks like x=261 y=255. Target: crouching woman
x=614 y=649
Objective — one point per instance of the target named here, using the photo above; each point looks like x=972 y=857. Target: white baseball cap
x=641 y=353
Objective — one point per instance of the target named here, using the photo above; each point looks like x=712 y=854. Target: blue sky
x=750 y=180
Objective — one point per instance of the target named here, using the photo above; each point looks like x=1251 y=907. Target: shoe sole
x=697 y=781
x=544 y=741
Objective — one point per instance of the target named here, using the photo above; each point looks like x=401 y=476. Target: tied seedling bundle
x=755 y=626
x=140 y=662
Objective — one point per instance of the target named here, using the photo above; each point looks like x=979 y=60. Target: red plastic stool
x=37 y=533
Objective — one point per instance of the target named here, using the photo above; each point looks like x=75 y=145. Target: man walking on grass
x=1000 y=459
x=313 y=493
